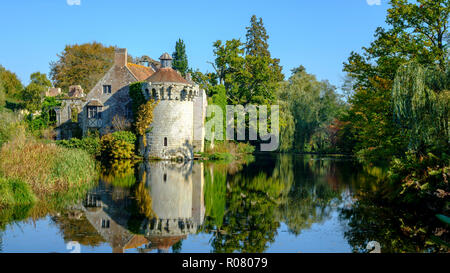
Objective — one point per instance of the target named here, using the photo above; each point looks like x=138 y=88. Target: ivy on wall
x=144 y=118
x=137 y=97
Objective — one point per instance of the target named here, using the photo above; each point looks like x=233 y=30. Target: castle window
x=106 y=89
x=147 y=93
x=105 y=223
x=94 y=112
x=165 y=141
x=165 y=177
x=154 y=94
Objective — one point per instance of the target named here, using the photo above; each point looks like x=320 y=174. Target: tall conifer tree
x=180 y=61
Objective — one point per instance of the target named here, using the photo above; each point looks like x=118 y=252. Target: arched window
x=154 y=93
x=165 y=142
x=165 y=177
x=147 y=93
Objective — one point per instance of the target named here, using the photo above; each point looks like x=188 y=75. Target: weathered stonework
x=177 y=130
x=178 y=118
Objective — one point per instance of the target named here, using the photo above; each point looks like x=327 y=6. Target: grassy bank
x=227 y=151
x=31 y=170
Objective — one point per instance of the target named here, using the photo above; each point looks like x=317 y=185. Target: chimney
x=120 y=58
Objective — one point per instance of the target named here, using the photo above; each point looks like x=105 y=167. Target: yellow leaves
x=115 y=148
x=145 y=118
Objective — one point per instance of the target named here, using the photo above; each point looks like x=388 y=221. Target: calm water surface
x=280 y=203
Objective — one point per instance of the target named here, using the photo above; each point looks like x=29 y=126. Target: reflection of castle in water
x=176 y=200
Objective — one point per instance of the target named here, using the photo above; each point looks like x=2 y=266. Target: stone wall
x=172 y=120
x=114 y=103
x=200 y=104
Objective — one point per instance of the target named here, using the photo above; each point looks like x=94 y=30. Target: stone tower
x=172 y=133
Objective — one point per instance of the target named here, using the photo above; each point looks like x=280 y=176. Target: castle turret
x=172 y=130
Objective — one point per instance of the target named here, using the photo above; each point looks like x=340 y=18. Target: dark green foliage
x=89 y=144
x=44 y=120
x=126 y=136
x=180 y=61
x=421 y=105
x=10 y=84
x=257 y=37
x=312 y=107
x=248 y=72
x=137 y=97
x=421 y=179
x=33 y=94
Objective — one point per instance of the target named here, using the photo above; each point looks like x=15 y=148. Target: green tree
x=180 y=60
x=10 y=84
x=34 y=92
x=81 y=65
x=417 y=33
x=257 y=37
x=313 y=106
x=421 y=99
x=247 y=70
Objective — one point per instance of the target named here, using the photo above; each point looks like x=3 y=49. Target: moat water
x=271 y=203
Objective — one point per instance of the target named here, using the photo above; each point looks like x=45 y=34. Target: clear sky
x=318 y=34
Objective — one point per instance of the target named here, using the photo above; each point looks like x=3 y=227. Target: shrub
x=126 y=136
x=112 y=148
x=245 y=148
x=88 y=144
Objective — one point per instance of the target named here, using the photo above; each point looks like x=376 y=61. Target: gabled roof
x=166 y=74
x=140 y=72
x=95 y=102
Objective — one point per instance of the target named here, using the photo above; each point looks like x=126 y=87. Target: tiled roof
x=139 y=71
x=136 y=242
x=166 y=74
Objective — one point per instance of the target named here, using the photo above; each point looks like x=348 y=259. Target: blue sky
x=318 y=34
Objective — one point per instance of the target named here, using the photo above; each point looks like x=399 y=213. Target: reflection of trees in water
x=143 y=199
x=119 y=173
x=395 y=228
x=315 y=184
x=245 y=209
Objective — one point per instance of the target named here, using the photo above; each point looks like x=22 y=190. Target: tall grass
x=46 y=168
x=11 y=126
x=14 y=192
x=228 y=151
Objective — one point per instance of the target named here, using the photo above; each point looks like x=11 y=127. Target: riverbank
x=227 y=151
x=34 y=170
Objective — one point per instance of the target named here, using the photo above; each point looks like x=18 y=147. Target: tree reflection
x=315 y=186
x=244 y=210
x=397 y=229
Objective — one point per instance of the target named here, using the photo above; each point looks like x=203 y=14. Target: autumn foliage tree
x=81 y=65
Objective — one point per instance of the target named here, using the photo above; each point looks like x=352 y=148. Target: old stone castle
x=177 y=130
